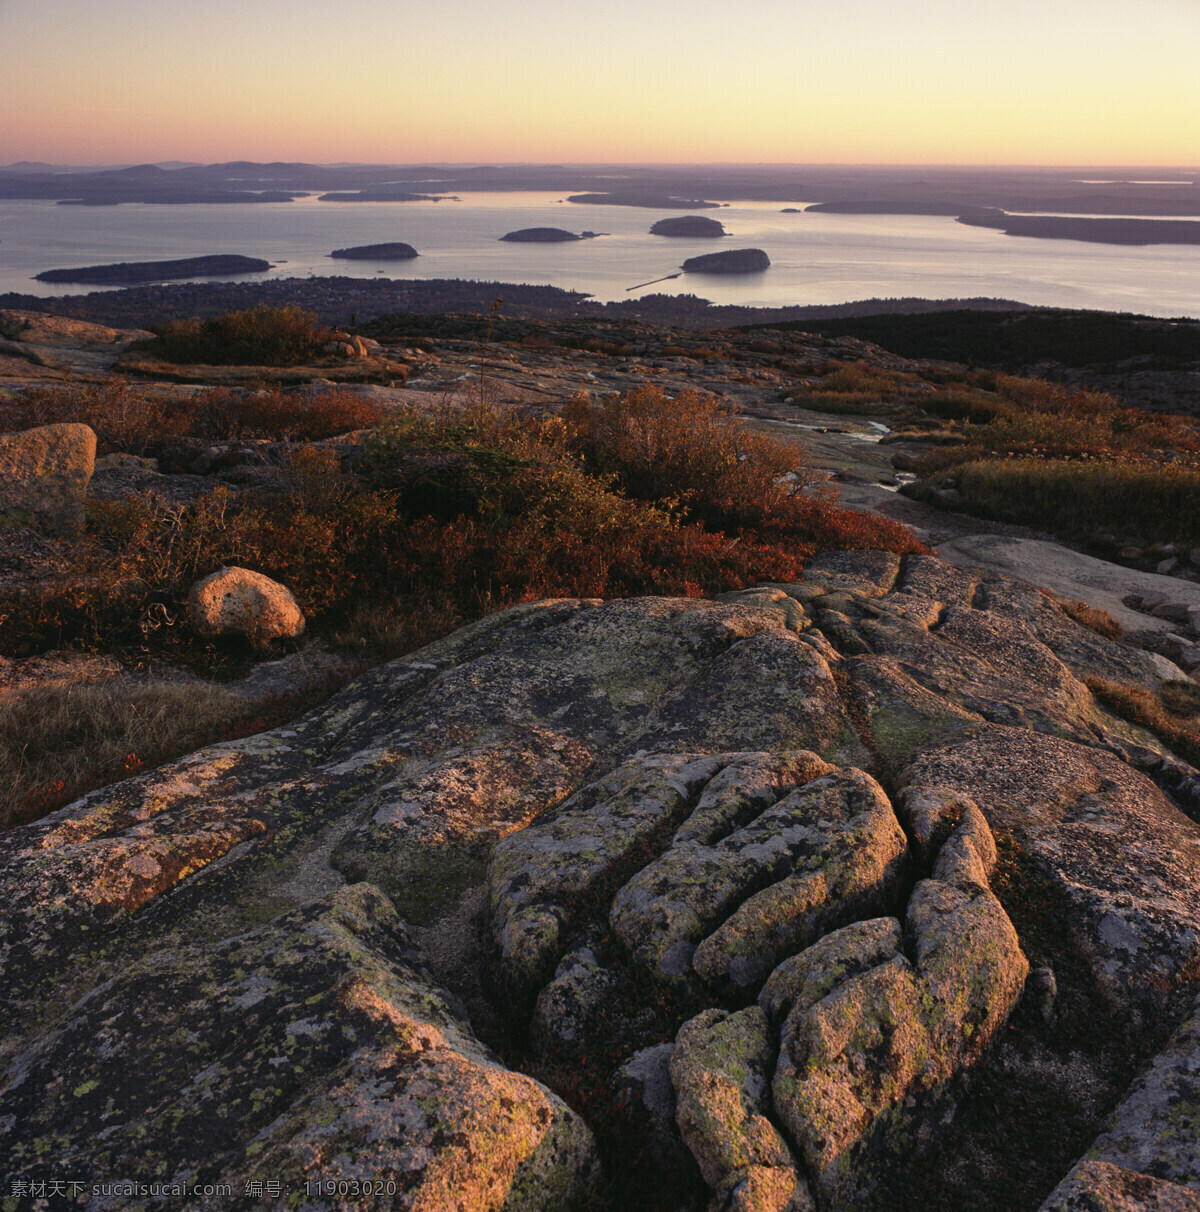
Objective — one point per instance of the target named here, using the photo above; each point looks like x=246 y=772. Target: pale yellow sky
x=801 y=81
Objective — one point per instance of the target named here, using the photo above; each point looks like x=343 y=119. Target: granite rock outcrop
x=643 y=904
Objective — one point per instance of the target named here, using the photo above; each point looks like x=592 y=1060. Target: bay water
x=816 y=257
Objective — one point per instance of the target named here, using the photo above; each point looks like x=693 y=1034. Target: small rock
x=1175 y=612
x=1043 y=991
x=1189 y=658
x=645 y=1078
x=238 y=601
x=1163 y=567
x=1131 y=553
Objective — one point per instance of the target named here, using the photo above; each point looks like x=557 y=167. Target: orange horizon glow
x=1107 y=82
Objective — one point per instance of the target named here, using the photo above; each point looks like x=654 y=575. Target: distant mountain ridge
x=889 y=189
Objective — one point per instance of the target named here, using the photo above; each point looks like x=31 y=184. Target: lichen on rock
x=733 y=873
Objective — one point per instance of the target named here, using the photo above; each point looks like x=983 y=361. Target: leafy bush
x=123 y=417
x=862 y=377
x=458 y=514
x=692 y=449
x=693 y=453
x=259 y=336
x=137 y=420
x=223 y=414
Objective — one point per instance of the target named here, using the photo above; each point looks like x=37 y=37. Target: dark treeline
x=1014 y=340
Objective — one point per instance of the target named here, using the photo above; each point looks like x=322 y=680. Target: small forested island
x=689 y=225
x=543 y=235
x=396 y=251
x=157 y=271
x=735 y=261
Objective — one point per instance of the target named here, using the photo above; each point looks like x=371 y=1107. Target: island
x=688 y=226
x=376 y=252
x=156 y=271
x=735 y=261
x=540 y=235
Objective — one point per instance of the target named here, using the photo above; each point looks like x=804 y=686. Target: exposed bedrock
x=771 y=903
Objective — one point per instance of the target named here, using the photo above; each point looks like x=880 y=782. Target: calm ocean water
x=816 y=258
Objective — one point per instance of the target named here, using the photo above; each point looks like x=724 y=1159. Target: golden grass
x=59 y=741
x=1173 y=714
x=1139 y=502
x=1091 y=617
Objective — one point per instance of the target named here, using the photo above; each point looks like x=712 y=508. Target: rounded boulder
x=236 y=601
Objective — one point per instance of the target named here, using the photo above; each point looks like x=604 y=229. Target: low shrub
x=258 y=336
x=224 y=414
x=861 y=377
x=692 y=449
x=1141 y=503
x=137 y=420
x=693 y=453
x=124 y=418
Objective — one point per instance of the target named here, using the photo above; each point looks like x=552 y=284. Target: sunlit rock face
x=807 y=898
x=44 y=476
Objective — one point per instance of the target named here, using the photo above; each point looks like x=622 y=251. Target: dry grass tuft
x=1173 y=714
x=59 y=741
x=1091 y=617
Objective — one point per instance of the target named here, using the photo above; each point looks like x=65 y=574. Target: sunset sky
x=803 y=81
